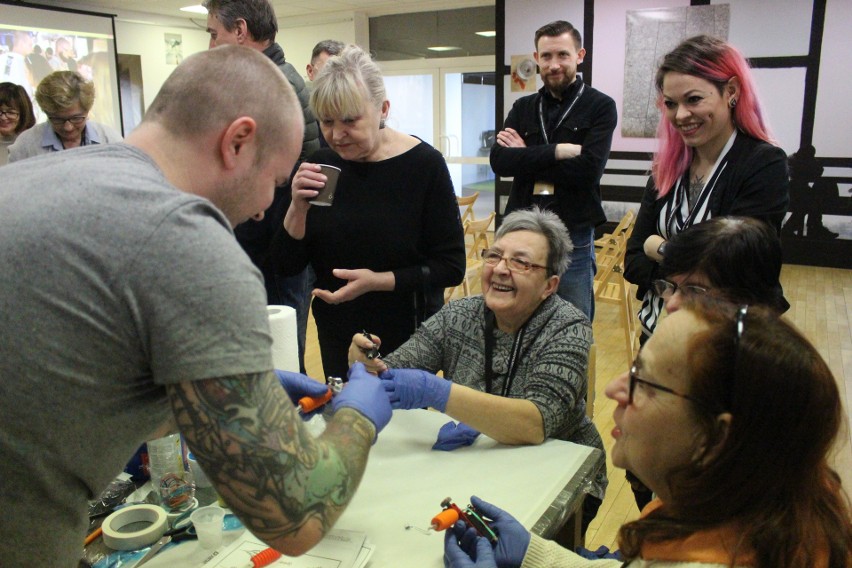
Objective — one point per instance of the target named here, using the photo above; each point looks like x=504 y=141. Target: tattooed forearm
x=287 y=487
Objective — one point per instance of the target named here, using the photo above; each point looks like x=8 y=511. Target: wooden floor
x=821 y=302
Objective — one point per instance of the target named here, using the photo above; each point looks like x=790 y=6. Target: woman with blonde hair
x=392 y=240
x=66 y=98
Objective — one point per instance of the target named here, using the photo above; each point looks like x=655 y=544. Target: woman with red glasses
x=730 y=416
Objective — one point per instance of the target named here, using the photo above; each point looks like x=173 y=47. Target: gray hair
x=330 y=46
x=547 y=224
x=258 y=14
x=346 y=84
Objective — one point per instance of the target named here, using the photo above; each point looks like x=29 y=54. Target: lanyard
x=561 y=118
x=686 y=218
x=490 y=375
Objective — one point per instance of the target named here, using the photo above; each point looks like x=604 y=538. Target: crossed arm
x=287 y=487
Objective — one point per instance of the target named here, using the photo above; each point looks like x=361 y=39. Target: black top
x=754 y=183
x=576 y=181
x=397 y=215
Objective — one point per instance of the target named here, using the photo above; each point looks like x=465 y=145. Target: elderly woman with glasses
x=514 y=359
x=16 y=115
x=730 y=416
x=66 y=98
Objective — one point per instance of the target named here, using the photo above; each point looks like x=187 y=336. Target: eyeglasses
x=13 y=114
x=61 y=120
x=493 y=258
x=634 y=379
x=666 y=289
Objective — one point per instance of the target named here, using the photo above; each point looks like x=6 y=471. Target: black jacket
x=576 y=180
x=310 y=141
x=754 y=183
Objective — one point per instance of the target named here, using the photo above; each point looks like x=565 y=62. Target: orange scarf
x=712 y=546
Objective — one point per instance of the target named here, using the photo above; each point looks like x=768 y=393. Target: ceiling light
x=443 y=48
x=487 y=33
x=197 y=9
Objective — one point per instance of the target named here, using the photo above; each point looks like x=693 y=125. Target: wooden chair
x=611 y=288
x=467 y=203
x=476 y=235
x=626 y=222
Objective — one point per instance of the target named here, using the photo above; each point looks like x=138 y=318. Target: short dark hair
x=16 y=96
x=556 y=29
x=258 y=14
x=329 y=46
x=741 y=256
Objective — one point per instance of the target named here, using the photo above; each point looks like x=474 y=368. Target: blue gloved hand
x=414 y=388
x=463 y=548
x=298 y=385
x=512 y=538
x=452 y=436
x=365 y=394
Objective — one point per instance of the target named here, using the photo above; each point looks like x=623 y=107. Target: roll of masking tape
x=134 y=527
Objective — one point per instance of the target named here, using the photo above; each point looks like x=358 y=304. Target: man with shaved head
x=130 y=312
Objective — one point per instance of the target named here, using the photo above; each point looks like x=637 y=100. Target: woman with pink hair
x=716 y=157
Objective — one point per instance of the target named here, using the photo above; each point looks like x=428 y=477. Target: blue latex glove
x=365 y=394
x=452 y=436
x=468 y=550
x=414 y=388
x=298 y=385
x=512 y=538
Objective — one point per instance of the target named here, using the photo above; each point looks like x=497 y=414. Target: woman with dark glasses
x=730 y=416
x=16 y=115
x=737 y=259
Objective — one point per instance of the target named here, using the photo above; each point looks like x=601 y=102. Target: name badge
x=543 y=188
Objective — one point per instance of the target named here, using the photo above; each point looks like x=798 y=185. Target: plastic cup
x=326 y=194
x=208 y=523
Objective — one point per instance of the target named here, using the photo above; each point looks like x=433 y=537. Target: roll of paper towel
x=285 y=342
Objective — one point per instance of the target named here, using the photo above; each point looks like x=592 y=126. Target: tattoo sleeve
x=286 y=486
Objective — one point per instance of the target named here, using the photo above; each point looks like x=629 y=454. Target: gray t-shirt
x=114 y=284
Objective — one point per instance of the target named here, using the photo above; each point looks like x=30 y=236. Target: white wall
x=298 y=42
x=147 y=41
x=145 y=37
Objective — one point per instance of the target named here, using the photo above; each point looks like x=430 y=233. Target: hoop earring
x=733 y=103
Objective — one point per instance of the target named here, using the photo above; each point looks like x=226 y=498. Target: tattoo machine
x=471 y=517
x=310 y=403
x=373 y=352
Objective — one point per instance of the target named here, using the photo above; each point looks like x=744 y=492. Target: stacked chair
x=476 y=239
